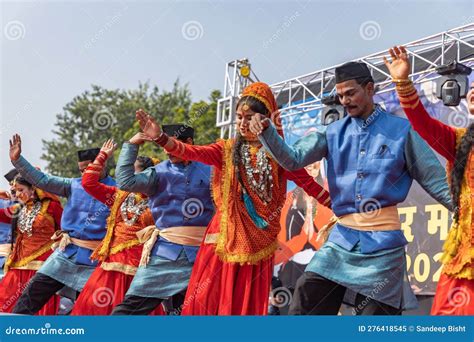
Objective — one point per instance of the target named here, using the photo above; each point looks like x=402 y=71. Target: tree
x=95 y=115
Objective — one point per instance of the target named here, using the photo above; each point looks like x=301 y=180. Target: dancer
x=38 y=217
x=233 y=271
x=83 y=227
x=181 y=205
x=120 y=250
x=373 y=157
x=455 y=291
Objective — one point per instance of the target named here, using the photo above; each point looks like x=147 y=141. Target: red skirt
x=106 y=289
x=13 y=284
x=453 y=296
x=222 y=288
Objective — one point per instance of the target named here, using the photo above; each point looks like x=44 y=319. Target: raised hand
x=258 y=123
x=148 y=124
x=5 y=195
x=15 y=147
x=139 y=138
x=109 y=147
x=399 y=67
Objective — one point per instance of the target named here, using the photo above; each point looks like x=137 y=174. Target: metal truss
x=304 y=93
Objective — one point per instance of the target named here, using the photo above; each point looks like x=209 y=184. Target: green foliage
x=98 y=114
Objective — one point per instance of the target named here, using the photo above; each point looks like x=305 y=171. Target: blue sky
x=52 y=51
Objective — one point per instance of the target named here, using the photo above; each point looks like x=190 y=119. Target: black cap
x=353 y=71
x=179 y=131
x=88 y=154
x=11 y=175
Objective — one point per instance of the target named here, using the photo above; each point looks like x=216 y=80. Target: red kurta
x=119 y=252
x=28 y=254
x=220 y=287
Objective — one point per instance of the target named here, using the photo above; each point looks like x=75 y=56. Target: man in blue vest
x=373 y=157
x=83 y=225
x=181 y=205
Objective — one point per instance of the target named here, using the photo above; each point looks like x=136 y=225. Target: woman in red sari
x=36 y=218
x=455 y=291
x=233 y=269
x=120 y=251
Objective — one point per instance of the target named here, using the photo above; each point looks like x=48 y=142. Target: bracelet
x=162 y=139
x=401 y=80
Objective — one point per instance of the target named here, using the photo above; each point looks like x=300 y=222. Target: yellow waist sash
x=384 y=219
x=5 y=249
x=182 y=235
x=66 y=240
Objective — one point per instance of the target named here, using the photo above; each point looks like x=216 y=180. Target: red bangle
x=162 y=139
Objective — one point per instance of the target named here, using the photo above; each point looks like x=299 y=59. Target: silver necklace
x=130 y=206
x=263 y=169
x=26 y=218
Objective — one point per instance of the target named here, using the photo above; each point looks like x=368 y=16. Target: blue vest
x=183 y=198
x=366 y=161
x=84 y=218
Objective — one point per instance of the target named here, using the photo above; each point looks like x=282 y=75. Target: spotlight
x=453 y=84
x=245 y=69
x=332 y=111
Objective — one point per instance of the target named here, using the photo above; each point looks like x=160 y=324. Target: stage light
x=332 y=111
x=453 y=84
x=245 y=70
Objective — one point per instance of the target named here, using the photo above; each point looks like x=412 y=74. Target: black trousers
x=316 y=295
x=136 y=305
x=39 y=290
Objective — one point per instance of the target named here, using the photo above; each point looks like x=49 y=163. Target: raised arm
x=441 y=137
x=305 y=151
x=425 y=168
x=309 y=185
x=91 y=178
x=56 y=185
x=145 y=182
x=207 y=154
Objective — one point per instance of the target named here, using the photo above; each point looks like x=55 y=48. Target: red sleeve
x=441 y=137
x=309 y=185
x=55 y=209
x=6 y=215
x=207 y=154
x=91 y=181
